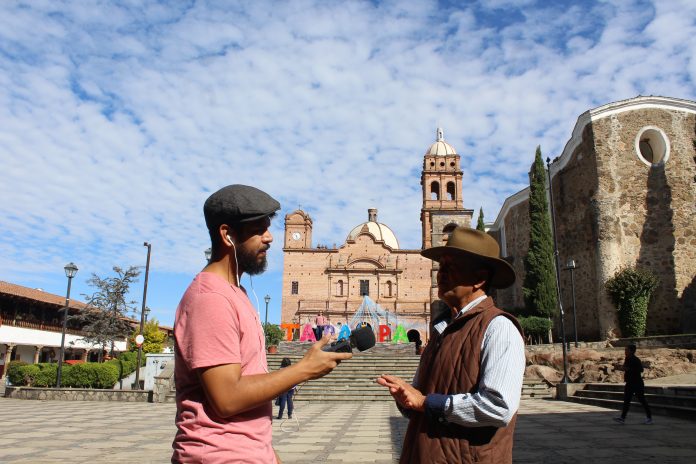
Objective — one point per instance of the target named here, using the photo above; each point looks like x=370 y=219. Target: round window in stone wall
x=652 y=146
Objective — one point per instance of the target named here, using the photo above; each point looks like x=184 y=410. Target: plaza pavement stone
x=547 y=432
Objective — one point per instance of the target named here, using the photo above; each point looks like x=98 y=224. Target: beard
x=250 y=262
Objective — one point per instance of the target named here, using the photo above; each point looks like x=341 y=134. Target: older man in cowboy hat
x=463 y=401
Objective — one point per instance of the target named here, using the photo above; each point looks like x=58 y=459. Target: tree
x=539 y=286
x=274 y=334
x=630 y=290
x=105 y=318
x=154 y=337
x=480 y=224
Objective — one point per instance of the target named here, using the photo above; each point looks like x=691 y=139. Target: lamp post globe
x=70 y=272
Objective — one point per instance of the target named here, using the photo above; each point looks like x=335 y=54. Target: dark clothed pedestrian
x=285 y=398
x=633 y=370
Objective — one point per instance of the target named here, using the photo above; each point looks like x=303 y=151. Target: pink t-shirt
x=216 y=324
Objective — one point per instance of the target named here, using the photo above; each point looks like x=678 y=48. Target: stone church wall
x=516 y=232
x=647 y=213
x=574 y=190
x=612 y=211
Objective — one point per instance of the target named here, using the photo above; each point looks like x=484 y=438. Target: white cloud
x=119 y=120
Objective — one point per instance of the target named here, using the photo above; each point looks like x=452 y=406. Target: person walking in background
x=285 y=398
x=633 y=369
x=318 y=327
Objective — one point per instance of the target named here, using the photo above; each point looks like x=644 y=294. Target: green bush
x=78 y=375
x=90 y=375
x=30 y=372
x=14 y=373
x=274 y=334
x=128 y=361
x=47 y=375
x=107 y=376
x=535 y=326
x=82 y=375
x=630 y=290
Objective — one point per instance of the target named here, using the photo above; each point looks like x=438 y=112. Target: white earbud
x=229 y=237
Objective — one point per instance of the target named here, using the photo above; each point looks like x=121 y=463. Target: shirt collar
x=442 y=324
x=472 y=304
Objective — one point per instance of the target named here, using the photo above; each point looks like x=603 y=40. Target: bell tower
x=298 y=230
x=443 y=205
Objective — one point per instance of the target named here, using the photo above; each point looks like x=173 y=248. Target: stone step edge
x=647 y=394
x=617 y=404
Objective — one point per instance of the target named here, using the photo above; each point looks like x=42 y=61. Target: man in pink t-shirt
x=223 y=387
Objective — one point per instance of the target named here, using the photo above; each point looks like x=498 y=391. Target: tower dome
x=440 y=147
x=377 y=229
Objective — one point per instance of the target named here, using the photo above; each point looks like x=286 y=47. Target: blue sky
x=118 y=119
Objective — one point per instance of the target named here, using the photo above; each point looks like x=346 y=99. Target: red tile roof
x=15 y=290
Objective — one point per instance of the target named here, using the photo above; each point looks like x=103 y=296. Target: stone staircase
x=380 y=349
x=352 y=380
x=537 y=389
x=675 y=401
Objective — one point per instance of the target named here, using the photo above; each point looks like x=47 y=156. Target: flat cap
x=238 y=203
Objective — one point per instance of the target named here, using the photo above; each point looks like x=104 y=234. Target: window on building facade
x=364 y=287
x=339 y=288
x=435 y=191
x=450 y=190
x=295 y=287
x=447 y=230
x=390 y=288
x=652 y=146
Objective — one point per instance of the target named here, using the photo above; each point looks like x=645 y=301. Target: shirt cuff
x=435 y=406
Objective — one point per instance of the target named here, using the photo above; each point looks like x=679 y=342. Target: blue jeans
x=283 y=399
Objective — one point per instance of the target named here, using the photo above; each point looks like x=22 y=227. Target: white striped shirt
x=502 y=369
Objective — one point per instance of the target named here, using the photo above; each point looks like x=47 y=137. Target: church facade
x=624 y=194
x=333 y=282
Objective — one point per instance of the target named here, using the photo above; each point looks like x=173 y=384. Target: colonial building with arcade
x=370 y=278
x=31 y=323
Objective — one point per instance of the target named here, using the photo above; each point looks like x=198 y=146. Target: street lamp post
x=570 y=266
x=142 y=316
x=267 y=299
x=70 y=271
x=558 y=275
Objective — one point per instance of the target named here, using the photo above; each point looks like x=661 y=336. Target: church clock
x=298 y=230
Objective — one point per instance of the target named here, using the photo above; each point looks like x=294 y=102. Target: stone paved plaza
x=547 y=432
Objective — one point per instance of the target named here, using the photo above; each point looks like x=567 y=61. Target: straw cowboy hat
x=474 y=243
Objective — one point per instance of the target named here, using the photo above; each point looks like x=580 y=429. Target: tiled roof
x=19 y=291
x=15 y=290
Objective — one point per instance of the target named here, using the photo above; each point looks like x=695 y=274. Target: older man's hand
x=403 y=392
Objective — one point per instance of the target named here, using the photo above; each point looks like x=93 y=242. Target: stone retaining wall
x=657 y=341
x=78 y=394
x=660 y=341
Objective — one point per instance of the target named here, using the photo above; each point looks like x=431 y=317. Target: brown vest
x=450 y=365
